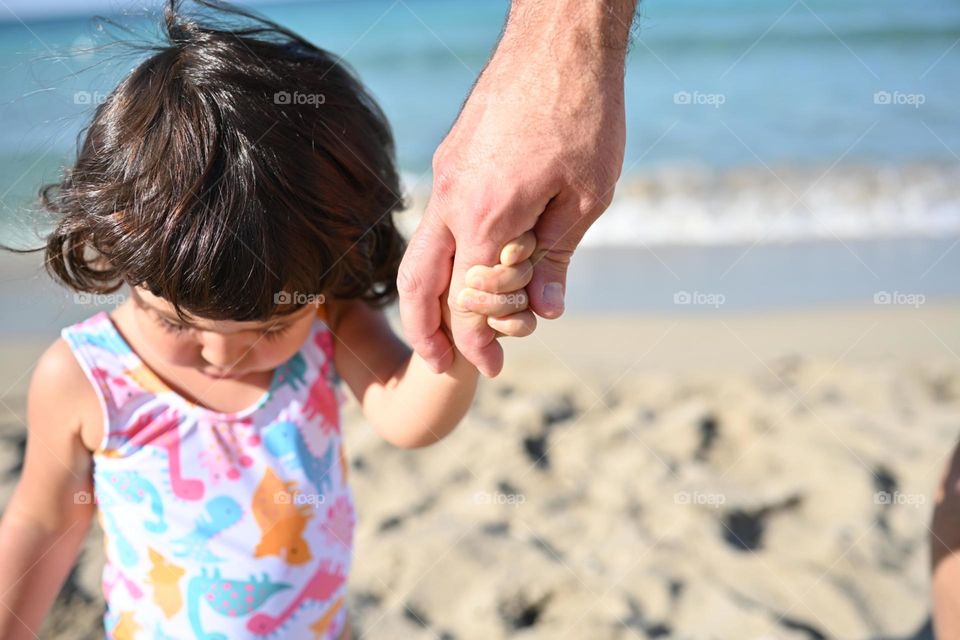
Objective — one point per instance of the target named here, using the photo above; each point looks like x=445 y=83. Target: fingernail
x=553 y=296
x=464 y=298
x=475 y=282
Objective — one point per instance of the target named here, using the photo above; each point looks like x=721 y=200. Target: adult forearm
x=575 y=26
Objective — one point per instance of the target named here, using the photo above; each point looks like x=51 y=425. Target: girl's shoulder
x=59 y=383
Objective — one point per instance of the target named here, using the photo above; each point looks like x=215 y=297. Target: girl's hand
x=498 y=292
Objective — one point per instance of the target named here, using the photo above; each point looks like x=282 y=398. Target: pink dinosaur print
x=116 y=390
x=109 y=585
x=169 y=440
x=322 y=586
x=227 y=453
x=339 y=522
x=322 y=398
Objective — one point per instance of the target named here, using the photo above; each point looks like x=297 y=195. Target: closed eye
x=177 y=329
x=172 y=327
x=274 y=334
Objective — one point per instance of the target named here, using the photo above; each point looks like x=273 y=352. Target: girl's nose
x=222 y=352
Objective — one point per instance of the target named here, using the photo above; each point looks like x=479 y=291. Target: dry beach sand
x=634 y=476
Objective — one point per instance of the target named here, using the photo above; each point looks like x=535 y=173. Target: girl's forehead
x=144 y=299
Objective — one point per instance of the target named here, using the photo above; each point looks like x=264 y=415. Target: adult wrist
x=595 y=28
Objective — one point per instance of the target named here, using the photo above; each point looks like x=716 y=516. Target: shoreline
x=682 y=281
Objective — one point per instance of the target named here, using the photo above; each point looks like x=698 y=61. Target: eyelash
x=276 y=334
x=171 y=327
x=178 y=329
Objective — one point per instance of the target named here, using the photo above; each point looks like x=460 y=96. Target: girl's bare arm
x=48 y=516
x=405 y=401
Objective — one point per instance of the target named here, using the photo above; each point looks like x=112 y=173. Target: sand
x=637 y=476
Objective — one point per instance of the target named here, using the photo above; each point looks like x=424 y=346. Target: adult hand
x=537 y=146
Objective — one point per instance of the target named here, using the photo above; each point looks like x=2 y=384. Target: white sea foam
x=700 y=206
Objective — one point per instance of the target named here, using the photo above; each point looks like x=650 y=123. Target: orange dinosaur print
x=281 y=519
x=323 y=622
x=165 y=577
x=147 y=380
x=126 y=628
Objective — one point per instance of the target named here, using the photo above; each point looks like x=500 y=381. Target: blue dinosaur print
x=134 y=487
x=222 y=595
x=285 y=441
x=109 y=341
x=291 y=373
x=127 y=554
x=222 y=512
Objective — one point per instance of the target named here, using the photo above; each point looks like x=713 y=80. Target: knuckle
x=601 y=203
x=555 y=254
x=477 y=338
x=524 y=273
x=409 y=281
x=494 y=281
x=443 y=182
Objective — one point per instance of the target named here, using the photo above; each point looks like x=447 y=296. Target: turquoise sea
x=752 y=123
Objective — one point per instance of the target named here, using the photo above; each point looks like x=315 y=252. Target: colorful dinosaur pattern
x=175 y=482
x=227 y=597
x=229 y=449
x=321 y=586
x=285 y=441
x=222 y=512
x=135 y=488
x=282 y=518
x=165 y=577
x=291 y=373
x=322 y=398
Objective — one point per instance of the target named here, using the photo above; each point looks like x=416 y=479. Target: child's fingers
x=500 y=278
x=518 y=249
x=492 y=304
x=517 y=325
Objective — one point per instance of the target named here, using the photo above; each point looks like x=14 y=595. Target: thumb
x=559 y=230
x=422 y=280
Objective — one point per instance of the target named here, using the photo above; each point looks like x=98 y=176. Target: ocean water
x=748 y=122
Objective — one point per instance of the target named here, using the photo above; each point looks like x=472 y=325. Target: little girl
x=241 y=184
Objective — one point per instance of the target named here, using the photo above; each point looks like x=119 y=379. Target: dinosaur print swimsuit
x=220 y=525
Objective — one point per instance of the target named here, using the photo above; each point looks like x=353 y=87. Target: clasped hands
x=497 y=292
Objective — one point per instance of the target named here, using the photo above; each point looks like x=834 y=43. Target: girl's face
x=219 y=348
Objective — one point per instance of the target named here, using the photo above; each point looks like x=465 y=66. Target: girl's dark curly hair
x=232 y=165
